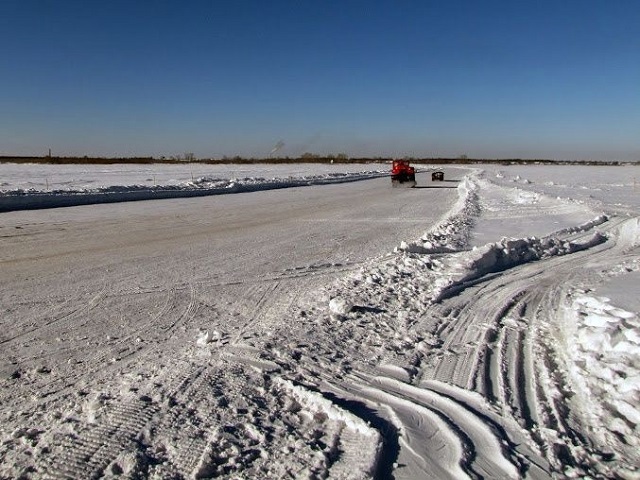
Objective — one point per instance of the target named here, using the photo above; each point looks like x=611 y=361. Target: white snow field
x=486 y=326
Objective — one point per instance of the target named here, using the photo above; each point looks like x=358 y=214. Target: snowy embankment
x=21 y=199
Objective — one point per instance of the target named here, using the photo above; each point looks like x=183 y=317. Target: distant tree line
x=81 y=160
x=304 y=158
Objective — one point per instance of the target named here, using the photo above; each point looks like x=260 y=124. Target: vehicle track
x=94 y=448
x=45 y=320
x=442 y=430
x=144 y=339
x=495 y=342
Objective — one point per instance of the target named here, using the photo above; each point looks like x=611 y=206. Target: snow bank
x=452 y=233
x=508 y=253
x=603 y=352
x=438 y=266
x=29 y=199
x=356 y=440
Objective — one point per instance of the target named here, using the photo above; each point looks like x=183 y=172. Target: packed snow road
x=99 y=301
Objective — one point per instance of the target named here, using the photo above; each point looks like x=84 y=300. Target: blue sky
x=492 y=79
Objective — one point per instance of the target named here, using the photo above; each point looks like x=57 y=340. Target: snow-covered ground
x=490 y=329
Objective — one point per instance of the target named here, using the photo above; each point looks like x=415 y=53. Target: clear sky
x=493 y=79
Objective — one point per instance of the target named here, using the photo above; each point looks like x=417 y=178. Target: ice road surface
x=482 y=327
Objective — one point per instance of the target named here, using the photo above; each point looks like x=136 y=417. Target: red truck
x=402 y=174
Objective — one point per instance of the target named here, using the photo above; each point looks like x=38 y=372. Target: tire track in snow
x=513 y=365
x=437 y=450
x=497 y=369
x=487 y=455
x=188 y=313
x=92 y=303
x=440 y=434
x=89 y=453
x=144 y=340
x=186 y=388
x=170 y=445
x=498 y=353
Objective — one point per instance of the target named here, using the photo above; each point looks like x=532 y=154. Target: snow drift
x=28 y=199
